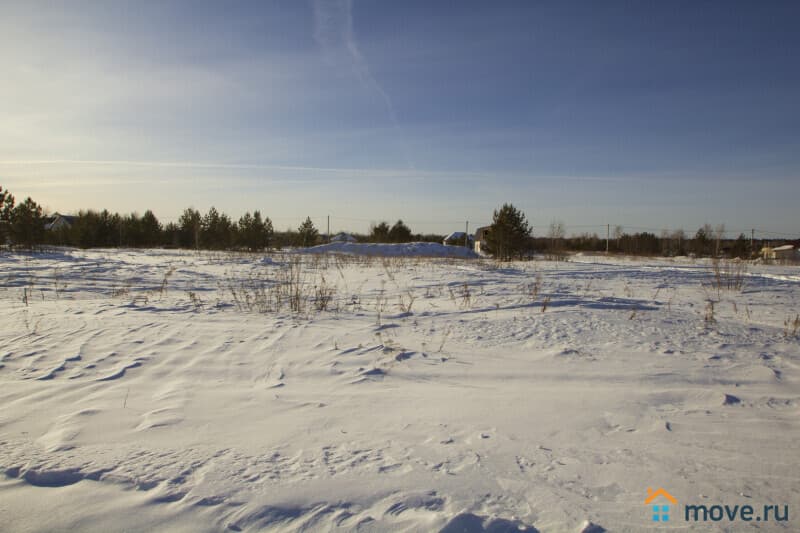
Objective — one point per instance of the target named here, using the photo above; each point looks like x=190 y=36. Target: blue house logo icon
x=660 y=510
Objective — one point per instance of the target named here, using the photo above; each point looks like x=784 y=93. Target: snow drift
x=411 y=249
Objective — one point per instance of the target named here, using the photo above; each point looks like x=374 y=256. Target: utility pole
x=608 y=235
x=466 y=235
x=752 y=239
x=329 y=228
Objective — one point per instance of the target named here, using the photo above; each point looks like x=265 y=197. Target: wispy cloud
x=365 y=173
x=241 y=170
x=333 y=31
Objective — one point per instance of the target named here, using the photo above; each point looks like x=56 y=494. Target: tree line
x=707 y=241
x=509 y=237
x=25 y=224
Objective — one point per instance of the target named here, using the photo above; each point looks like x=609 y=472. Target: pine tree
x=739 y=248
x=171 y=235
x=209 y=228
x=702 y=240
x=6 y=207
x=307 y=233
x=254 y=233
x=264 y=230
x=83 y=228
x=27 y=223
x=217 y=230
x=509 y=234
x=245 y=236
x=399 y=232
x=108 y=229
x=379 y=233
x=189 y=223
x=150 y=229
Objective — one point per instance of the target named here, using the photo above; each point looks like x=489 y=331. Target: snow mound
x=411 y=249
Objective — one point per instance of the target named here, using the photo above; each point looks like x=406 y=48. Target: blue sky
x=640 y=114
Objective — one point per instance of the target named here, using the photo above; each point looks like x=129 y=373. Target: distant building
x=786 y=252
x=58 y=221
x=457 y=239
x=480 y=238
x=343 y=237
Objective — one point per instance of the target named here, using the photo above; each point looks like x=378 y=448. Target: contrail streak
x=333 y=31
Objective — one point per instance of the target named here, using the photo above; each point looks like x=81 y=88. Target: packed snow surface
x=176 y=391
x=410 y=249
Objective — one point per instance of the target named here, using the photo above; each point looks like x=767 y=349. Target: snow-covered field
x=175 y=391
